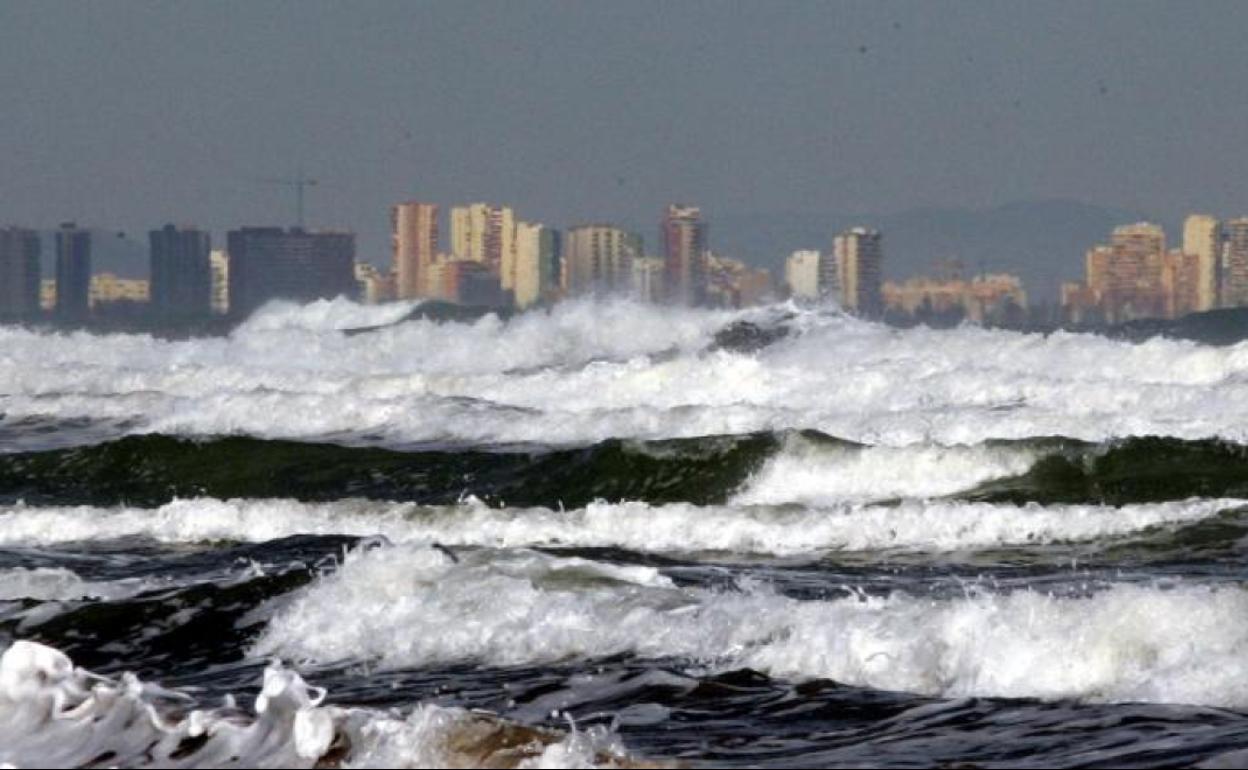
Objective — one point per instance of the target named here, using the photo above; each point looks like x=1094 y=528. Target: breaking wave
x=803 y=468
x=53 y=714
x=929 y=526
x=1183 y=643
x=587 y=371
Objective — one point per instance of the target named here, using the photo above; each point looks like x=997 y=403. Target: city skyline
x=844 y=110
x=496 y=259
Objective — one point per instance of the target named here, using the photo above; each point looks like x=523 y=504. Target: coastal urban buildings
x=219 y=263
x=732 y=283
x=539 y=254
x=801 y=274
x=994 y=298
x=109 y=289
x=73 y=272
x=414 y=232
x=271 y=263
x=684 y=248
x=859 y=258
x=649 y=275
x=181 y=271
x=1235 y=264
x=19 y=273
x=1134 y=275
x=486 y=233
x=600 y=259
x=1202 y=238
x=467 y=282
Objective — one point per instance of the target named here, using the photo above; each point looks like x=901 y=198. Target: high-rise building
x=1202 y=238
x=684 y=249
x=859 y=258
x=19 y=273
x=801 y=274
x=1134 y=276
x=536 y=273
x=219 y=262
x=181 y=271
x=271 y=263
x=600 y=259
x=73 y=272
x=414 y=228
x=1235 y=264
x=1180 y=283
x=1126 y=275
x=485 y=233
x=648 y=277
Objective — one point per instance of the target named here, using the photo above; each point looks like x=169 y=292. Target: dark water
x=617 y=534
x=194 y=630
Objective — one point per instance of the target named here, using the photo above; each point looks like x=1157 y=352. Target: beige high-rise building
x=528 y=277
x=219 y=264
x=485 y=233
x=600 y=258
x=859 y=260
x=1202 y=238
x=1235 y=264
x=414 y=235
x=649 y=279
x=1180 y=283
x=801 y=274
x=1126 y=275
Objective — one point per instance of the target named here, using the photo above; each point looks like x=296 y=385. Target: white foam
x=588 y=370
x=320 y=315
x=55 y=715
x=814 y=473
x=414 y=607
x=56 y=584
x=911 y=525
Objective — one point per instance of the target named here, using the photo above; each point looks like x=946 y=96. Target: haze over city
x=772 y=117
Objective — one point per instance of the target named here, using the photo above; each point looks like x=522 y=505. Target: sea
x=619 y=535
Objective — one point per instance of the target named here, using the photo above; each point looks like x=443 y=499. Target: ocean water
x=618 y=535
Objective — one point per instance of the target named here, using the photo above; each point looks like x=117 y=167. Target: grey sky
x=128 y=115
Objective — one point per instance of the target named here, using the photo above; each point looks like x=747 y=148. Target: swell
x=153 y=470
x=1135 y=470
x=768 y=468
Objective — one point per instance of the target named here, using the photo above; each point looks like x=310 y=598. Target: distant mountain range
x=1041 y=241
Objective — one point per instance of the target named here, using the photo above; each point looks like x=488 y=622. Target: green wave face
x=151 y=470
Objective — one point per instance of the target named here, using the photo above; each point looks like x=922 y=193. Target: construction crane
x=298 y=183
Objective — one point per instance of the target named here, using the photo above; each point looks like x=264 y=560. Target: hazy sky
x=128 y=115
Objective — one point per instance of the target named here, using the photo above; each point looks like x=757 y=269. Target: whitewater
x=587 y=371
x=611 y=534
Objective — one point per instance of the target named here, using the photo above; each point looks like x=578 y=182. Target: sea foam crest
x=58 y=583
x=55 y=715
x=1185 y=643
x=815 y=473
x=912 y=525
x=588 y=370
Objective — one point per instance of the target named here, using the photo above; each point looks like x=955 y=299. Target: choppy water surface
x=610 y=534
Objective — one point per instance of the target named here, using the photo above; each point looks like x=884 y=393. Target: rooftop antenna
x=298 y=183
